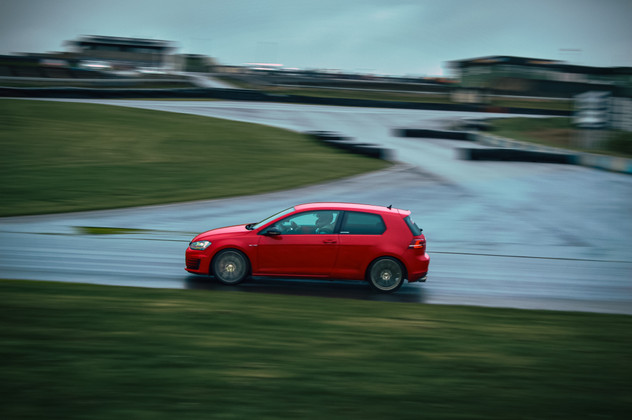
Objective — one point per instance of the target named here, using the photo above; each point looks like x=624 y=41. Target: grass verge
x=59 y=157
x=96 y=230
x=81 y=351
x=403 y=96
x=101 y=84
x=421 y=97
x=560 y=132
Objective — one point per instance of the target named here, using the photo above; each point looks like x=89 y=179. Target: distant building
x=123 y=52
x=539 y=77
x=196 y=63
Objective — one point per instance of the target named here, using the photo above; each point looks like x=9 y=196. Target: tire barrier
x=515 y=155
x=432 y=134
x=348 y=144
x=475 y=125
x=327 y=136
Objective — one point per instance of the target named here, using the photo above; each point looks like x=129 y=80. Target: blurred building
x=196 y=63
x=115 y=52
x=539 y=77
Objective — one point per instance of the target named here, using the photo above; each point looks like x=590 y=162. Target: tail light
x=418 y=243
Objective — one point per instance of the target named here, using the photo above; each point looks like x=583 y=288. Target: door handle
x=329 y=241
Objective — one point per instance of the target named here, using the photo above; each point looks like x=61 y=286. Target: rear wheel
x=386 y=275
x=230 y=266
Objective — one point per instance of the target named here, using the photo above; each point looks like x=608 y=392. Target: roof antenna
x=390 y=207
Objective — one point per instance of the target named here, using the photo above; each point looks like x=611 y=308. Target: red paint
x=342 y=246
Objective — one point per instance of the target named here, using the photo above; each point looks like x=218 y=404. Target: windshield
x=269 y=219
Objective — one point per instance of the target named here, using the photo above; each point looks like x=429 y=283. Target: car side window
x=414 y=229
x=309 y=223
x=357 y=223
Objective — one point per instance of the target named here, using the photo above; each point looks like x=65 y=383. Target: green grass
x=436 y=98
x=95 y=230
x=374 y=95
x=422 y=97
x=100 y=84
x=57 y=157
x=82 y=351
x=532 y=103
x=559 y=132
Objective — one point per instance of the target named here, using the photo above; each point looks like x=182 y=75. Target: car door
x=304 y=244
x=360 y=241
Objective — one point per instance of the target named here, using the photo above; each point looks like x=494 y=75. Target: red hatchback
x=319 y=240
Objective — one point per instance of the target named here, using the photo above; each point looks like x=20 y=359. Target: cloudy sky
x=395 y=37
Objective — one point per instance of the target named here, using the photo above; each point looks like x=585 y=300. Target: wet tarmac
x=503 y=234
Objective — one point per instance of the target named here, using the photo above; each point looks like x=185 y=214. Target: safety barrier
x=608 y=163
x=504 y=149
x=515 y=155
x=433 y=134
x=348 y=144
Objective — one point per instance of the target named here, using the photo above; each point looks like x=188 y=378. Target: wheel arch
x=231 y=247
x=395 y=257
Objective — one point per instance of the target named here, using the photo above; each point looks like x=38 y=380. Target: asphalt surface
x=501 y=234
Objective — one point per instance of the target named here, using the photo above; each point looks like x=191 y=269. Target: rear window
x=356 y=223
x=414 y=229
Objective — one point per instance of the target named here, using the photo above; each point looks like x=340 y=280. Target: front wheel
x=386 y=275
x=230 y=266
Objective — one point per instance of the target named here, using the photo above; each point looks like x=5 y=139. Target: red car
x=319 y=240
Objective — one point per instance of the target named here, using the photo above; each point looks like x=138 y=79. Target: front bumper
x=193 y=264
x=197 y=262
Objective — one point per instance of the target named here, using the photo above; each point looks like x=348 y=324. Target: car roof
x=350 y=207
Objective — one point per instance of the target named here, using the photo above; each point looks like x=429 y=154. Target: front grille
x=193 y=263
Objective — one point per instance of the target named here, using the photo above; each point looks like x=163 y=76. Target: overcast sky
x=395 y=37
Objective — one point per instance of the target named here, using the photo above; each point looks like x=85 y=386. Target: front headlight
x=199 y=245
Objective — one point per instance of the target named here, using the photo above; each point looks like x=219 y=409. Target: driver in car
x=324 y=222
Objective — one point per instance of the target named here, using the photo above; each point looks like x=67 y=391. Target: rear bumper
x=422 y=278
x=418 y=269
x=419 y=277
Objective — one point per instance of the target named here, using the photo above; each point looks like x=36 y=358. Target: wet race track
x=503 y=234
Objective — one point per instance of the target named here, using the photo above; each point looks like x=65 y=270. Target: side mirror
x=272 y=232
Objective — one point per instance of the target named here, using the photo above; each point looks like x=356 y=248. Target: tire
x=230 y=266
x=386 y=275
